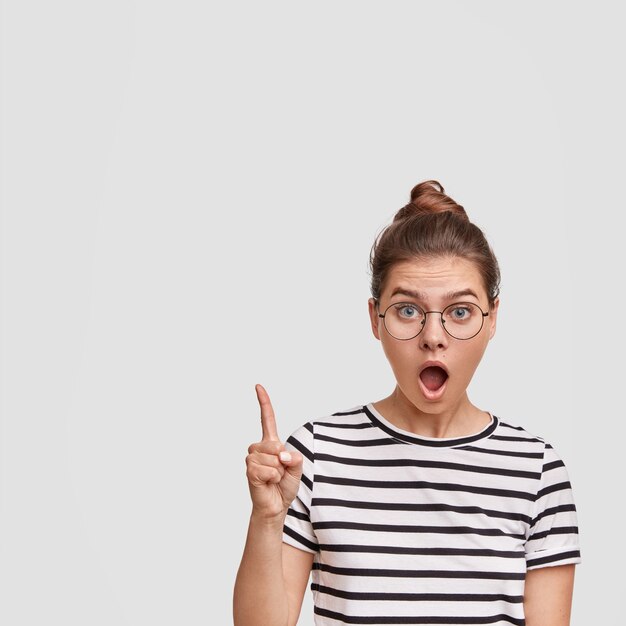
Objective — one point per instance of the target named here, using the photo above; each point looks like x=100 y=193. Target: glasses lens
x=403 y=320
x=463 y=319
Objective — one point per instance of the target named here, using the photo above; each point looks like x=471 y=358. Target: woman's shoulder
x=353 y=417
x=514 y=430
x=347 y=418
x=330 y=426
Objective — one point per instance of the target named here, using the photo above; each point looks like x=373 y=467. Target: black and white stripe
x=414 y=530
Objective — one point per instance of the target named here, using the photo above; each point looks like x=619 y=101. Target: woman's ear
x=373 y=311
x=493 y=316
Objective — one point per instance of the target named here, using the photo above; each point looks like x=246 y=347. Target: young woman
x=420 y=508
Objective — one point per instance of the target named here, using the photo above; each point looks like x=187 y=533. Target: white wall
x=175 y=172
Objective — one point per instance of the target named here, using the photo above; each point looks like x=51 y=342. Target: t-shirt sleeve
x=553 y=533
x=298 y=529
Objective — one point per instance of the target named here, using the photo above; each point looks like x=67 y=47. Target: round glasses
x=461 y=320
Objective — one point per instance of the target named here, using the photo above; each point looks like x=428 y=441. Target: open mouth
x=433 y=378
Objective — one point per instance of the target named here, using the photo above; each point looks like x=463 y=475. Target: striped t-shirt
x=417 y=530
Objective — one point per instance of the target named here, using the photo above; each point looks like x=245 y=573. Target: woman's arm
x=297 y=566
x=548 y=595
x=272 y=578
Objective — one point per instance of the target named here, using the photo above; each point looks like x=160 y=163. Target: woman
x=420 y=508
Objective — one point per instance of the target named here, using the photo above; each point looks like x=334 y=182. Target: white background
x=190 y=191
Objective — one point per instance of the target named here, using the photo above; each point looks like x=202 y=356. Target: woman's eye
x=407 y=311
x=460 y=313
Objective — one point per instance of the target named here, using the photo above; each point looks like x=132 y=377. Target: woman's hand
x=273 y=474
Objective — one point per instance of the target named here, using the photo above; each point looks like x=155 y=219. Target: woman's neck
x=459 y=420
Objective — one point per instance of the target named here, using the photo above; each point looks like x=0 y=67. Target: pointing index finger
x=268 y=420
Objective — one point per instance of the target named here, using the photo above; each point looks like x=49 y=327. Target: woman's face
x=429 y=283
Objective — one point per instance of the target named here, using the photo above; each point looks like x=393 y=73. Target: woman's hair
x=432 y=225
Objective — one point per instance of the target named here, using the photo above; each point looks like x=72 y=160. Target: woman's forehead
x=434 y=279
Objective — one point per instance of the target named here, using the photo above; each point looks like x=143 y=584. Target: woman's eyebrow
x=418 y=295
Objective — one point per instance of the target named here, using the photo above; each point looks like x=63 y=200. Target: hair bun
x=429 y=197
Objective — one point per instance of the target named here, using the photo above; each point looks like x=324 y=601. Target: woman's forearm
x=260 y=597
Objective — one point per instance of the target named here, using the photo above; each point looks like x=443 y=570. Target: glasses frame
x=443 y=324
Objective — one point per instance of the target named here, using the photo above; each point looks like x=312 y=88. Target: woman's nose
x=433 y=335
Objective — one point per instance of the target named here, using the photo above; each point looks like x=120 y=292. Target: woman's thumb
x=292 y=462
